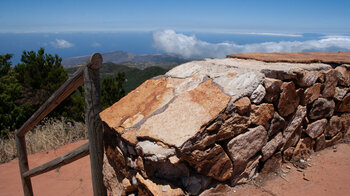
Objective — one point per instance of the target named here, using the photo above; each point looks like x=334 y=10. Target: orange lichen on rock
x=185 y=116
x=138 y=104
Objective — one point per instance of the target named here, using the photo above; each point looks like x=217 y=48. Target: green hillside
x=134 y=76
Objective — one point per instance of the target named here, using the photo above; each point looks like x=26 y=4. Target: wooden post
x=23 y=164
x=93 y=121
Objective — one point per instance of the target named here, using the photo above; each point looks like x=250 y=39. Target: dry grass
x=50 y=134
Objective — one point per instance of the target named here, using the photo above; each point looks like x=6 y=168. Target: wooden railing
x=89 y=75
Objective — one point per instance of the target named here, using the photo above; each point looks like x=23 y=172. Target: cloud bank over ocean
x=61 y=43
x=190 y=47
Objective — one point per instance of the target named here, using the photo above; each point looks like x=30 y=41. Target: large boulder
x=218 y=121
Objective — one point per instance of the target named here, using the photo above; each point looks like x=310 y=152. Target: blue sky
x=288 y=16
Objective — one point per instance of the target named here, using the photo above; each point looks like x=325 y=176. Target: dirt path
x=72 y=179
x=329 y=174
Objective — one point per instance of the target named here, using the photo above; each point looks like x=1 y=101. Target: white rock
x=154 y=151
x=258 y=94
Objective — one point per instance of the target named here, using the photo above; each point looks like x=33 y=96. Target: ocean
x=80 y=44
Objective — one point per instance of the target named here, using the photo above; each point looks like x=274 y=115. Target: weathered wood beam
x=74 y=155
x=23 y=165
x=93 y=121
x=56 y=98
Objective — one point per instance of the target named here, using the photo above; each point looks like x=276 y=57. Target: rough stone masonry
x=222 y=121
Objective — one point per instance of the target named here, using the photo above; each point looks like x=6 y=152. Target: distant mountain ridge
x=121 y=57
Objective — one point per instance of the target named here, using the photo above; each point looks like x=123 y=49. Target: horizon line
x=223 y=31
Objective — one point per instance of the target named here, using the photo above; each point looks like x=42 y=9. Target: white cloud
x=61 y=43
x=336 y=36
x=95 y=44
x=191 y=47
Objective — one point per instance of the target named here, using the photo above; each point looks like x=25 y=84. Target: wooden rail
x=89 y=75
x=72 y=156
x=56 y=98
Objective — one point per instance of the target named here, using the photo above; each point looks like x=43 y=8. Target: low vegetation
x=50 y=134
x=27 y=85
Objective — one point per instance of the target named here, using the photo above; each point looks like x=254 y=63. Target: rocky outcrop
x=221 y=121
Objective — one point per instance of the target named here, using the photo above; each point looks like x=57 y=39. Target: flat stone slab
x=138 y=104
x=308 y=57
x=183 y=118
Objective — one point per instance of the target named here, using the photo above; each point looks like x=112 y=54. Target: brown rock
x=128 y=187
x=186 y=114
x=320 y=143
x=260 y=114
x=345 y=120
x=150 y=188
x=311 y=94
x=321 y=77
x=273 y=89
x=335 y=126
x=242 y=105
x=115 y=155
x=340 y=93
x=270 y=98
x=293 y=124
x=294 y=139
x=140 y=166
x=111 y=180
x=331 y=82
x=277 y=124
x=289 y=99
x=272 y=146
x=321 y=108
x=345 y=104
x=272 y=86
x=212 y=162
x=230 y=128
x=300 y=93
x=303 y=149
x=288 y=154
x=214 y=127
x=347 y=136
x=316 y=128
x=335 y=140
x=245 y=146
x=307 y=78
x=248 y=173
x=272 y=164
x=344 y=78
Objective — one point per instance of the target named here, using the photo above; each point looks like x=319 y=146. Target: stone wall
x=222 y=121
